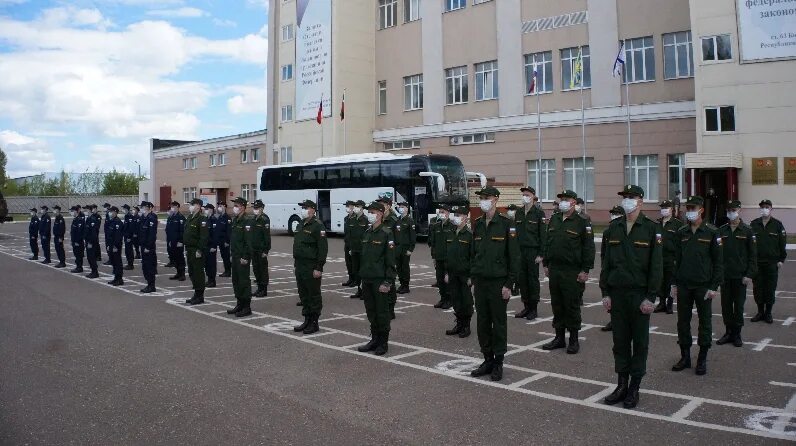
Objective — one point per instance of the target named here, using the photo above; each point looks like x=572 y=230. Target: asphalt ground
x=86 y=363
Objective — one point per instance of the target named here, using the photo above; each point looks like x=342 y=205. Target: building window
x=720 y=119
x=543 y=63
x=402 y=145
x=221 y=159
x=676 y=174
x=382 y=98
x=213 y=160
x=411 y=10
x=639 y=60
x=253 y=191
x=244 y=191
x=255 y=155
x=287 y=32
x=244 y=156
x=188 y=194
x=486 y=81
x=413 y=92
x=388 y=12
x=472 y=138
x=573 y=177
x=546 y=184
x=285 y=155
x=716 y=48
x=569 y=59
x=642 y=170
x=456 y=85
x=678 y=55
x=189 y=163
x=287 y=72
x=452 y=5
x=287 y=113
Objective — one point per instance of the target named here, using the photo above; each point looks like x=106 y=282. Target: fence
x=22 y=205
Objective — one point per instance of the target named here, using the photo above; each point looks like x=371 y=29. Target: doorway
x=165 y=198
x=714 y=185
x=325 y=208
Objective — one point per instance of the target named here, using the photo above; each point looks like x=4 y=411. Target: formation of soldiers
x=477 y=265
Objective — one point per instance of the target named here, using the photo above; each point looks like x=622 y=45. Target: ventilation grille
x=561 y=21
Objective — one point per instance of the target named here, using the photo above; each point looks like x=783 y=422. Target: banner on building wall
x=790 y=169
x=764 y=171
x=766 y=29
x=313 y=58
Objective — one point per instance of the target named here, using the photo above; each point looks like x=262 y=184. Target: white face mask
x=665 y=212
x=564 y=206
x=614 y=217
x=444 y=216
x=208 y=212
x=192 y=208
x=304 y=213
x=135 y=212
x=765 y=212
x=86 y=213
x=511 y=214
x=371 y=218
x=258 y=211
x=732 y=216
x=527 y=200
x=457 y=220
x=628 y=204
x=73 y=213
x=485 y=205
x=692 y=215
x=358 y=210
x=578 y=208
x=220 y=209
x=113 y=214
x=57 y=212
x=236 y=210
x=32 y=213
x=349 y=209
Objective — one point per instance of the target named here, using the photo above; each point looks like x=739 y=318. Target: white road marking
x=689 y=408
x=527 y=380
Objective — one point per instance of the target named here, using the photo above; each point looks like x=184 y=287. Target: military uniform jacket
x=196 y=233
x=148 y=231
x=531 y=228
x=33 y=227
x=224 y=229
x=378 y=255
x=670 y=238
x=699 y=258
x=439 y=245
x=260 y=234
x=632 y=260
x=91 y=234
x=310 y=243
x=461 y=248
x=106 y=227
x=355 y=227
x=114 y=228
x=496 y=252
x=771 y=240
x=212 y=232
x=135 y=222
x=740 y=251
x=45 y=226
x=175 y=226
x=129 y=226
x=76 y=231
x=239 y=244
x=59 y=227
x=569 y=243
x=405 y=234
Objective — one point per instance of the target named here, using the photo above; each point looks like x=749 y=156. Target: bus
x=423 y=181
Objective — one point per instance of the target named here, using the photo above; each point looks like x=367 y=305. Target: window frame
x=570 y=61
x=411 y=14
x=486 y=73
x=387 y=14
x=286 y=77
x=576 y=181
x=283 y=111
x=680 y=167
x=244 y=156
x=546 y=191
x=286 y=155
x=719 y=129
x=254 y=155
x=689 y=44
x=467 y=139
x=633 y=167
x=413 y=85
x=453 y=80
x=630 y=57
x=212 y=160
x=448 y=7
x=714 y=38
x=381 y=106
x=542 y=78
x=291 y=32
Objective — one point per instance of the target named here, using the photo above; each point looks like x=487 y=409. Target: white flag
x=619 y=63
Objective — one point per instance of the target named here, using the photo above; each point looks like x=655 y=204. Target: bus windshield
x=452 y=170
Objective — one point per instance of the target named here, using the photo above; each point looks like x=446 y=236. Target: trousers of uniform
x=92 y=256
x=765 y=284
x=666 y=283
x=137 y=248
x=687 y=298
x=349 y=265
x=529 y=276
x=309 y=289
x=356 y=259
x=59 y=249
x=115 y=256
x=211 y=265
x=34 y=246
x=461 y=296
x=177 y=256
x=77 y=251
x=631 y=332
x=241 y=281
x=260 y=268
x=196 y=269
x=129 y=252
x=377 y=307
x=733 y=298
x=45 y=247
x=490 y=315
x=402 y=266
x=149 y=263
x=439 y=268
x=566 y=297
x=225 y=257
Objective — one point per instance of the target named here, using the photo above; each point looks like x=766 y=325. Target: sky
x=85 y=84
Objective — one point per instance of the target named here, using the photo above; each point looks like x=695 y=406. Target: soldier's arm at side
x=204 y=233
x=412 y=236
x=514 y=260
x=323 y=248
x=783 y=241
x=542 y=231
x=267 y=247
x=390 y=271
x=717 y=259
x=655 y=272
x=751 y=255
x=605 y=262
x=588 y=249
x=546 y=244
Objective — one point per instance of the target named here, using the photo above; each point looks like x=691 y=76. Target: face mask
x=113 y=214
x=220 y=209
x=526 y=199
x=456 y=220
x=236 y=210
x=57 y=212
x=628 y=204
x=732 y=216
x=614 y=217
x=208 y=212
x=371 y=218
x=578 y=208
x=403 y=211
x=444 y=216
x=32 y=214
x=692 y=215
x=665 y=212
x=486 y=205
x=135 y=212
x=174 y=211
x=564 y=206
x=258 y=211
x=86 y=213
x=106 y=209
x=192 y=208
x=765 y=212
x=511 y=214
x=73 y=213
x=304 y=213
x=349 y=209
x=358 y=210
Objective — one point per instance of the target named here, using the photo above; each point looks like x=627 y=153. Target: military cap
x=617 y=210
x=57 y=207
x=512 y=207
x=528 y=189
x=195 y=201
x=106 y=205
x=567 y=193
x=666 y=204
x=403 y=203
x=175 y=203
x=136 y=208
x=258 y=204
x=92 y=206
x=221 y=203
x=376 y=206
x=444 y=207
x=695 y=200
x=350 y=203
x=75 y=208
x=45 y=207
x=33 y=209
x=308 y=204
x=765 y=202
x=360 y=203
x=240 y=200
x=460 y=210
x=126 y=206
x=114 y=209
x=632 y=190
x=734 y=204
x=579 y=201
x=146 y=204
x=488 y=191
x=385 y=200
x=209 y=206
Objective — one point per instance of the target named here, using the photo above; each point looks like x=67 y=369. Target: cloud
x=26 y=155
x=262 y=4
x=247 y=99
x=184 y=12
x=107 y=157
x=224 y=23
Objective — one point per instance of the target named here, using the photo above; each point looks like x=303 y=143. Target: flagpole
x=321 y=112
x=627 y=98
x=345 y=127
x=538 y=132
x=583 y=124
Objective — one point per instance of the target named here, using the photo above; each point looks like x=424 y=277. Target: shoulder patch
x=391 y=244
x=658 y=239
x=513 y=232
x=718 y=241
x=588 y=229
x=204 y=223
x=323 y=233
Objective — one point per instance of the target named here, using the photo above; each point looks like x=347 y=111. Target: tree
x=120 y=183
x=3 y=161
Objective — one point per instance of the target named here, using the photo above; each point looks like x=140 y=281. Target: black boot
x=523 y=312
x=631 y=400
x=60 y=265
x=736 y=339
x=169 y=265
x=303 y=325
x=371 y=345
x=661 y=307
x=456 y=328
x=356 y=295
x=559 y=341
x=211 y=283
x=669 y=305
x=608 y=327
x=260 y=292
x=768 y=317
x=727 y=336
x=446 y=305
x=497 y=369
x=620 y=393
x=532 y=311
x=33 y=258
x=198 y=298
x=93 y=275
x=702 y=361
x=149 y=289
x=685 y=360
x=347 y=283
x=129 y=267
x=465 y=331
x=312 y=327
x=299 y=304
x=439 y=304
x=486 y=367
x=190 y=301
x=235 y=309
x=381 y=349
x=760 y=314
x=574 y=345
x=435 y=285
x=225 y=274
x=245 y=311
x=403 y=289
x=77 y=269
x=178 y=276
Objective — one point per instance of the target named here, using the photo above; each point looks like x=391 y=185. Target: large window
x=388 y=13
x=546 y=184
x=452 y=5
x=287 y=72
x=382 y=98
x=287 y=32
x=543 y=62
x=573 y=177
x=188 y=194
x=255 y=155
x=244 y=191
x=456 y=85
x=285 y=155
x=678 y=57
x=189 y=163
x=486 y=81
x=676 y=174
x=413 y=92
x=472 y=138
x=716 y=48
x=642 y=170
x=720 y=119
x=221 y=159
x=569 y=59
x=639 y=60
x=411 y=10
x=213 y=160
x=401 y=145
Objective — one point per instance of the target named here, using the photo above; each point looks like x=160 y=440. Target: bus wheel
x=292 y=225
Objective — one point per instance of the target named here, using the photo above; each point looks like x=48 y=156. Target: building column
x=433 y=78
x=603 y=47
x=509 y=47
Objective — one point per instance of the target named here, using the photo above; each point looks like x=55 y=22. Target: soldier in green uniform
x=616 y=212
x=194 y=238
x=771 y=254
x=531 y=229
x=310 y=248
x=348 y=224
x=740 y=268
x=494 y=269
x=390 y=221
x=630 y=277
x=457 y=277
x=405 y=239
x=700 y=271
x=669 y=227
x=241 y=257
x=377 y=271
x=568 y=258
x=438 y=251
x=357 y=227
x=260 y=243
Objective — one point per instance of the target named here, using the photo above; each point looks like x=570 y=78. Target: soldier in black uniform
x=91 y=237
x=224 y=228
x=175 y=226
x=33 y=234
x=45 y=233
x=76 y=237
x=147 y=237
x=347 y=225
x=114 y=228
x=669 y=227
x=130 y=230
x=771 y=254
x=136 y=221
x=59 y=231
x=211 y=252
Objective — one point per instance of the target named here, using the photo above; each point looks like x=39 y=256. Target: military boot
x=235 y=309
x=465 y=331
x=60 y=265
x=77 y=269
x=440 y=303
x=312 y=327
x=661 y=307
x=129 y=267
x=260 y=292
x=727 y=336
x=348 y=282
x=669 y=305
x=497 y=369
x=522 y=313
x=685 y=360
x=736 y=339
x=760 y=314
x=149 y=289
x=303 y=325
x=456 y=328
x=532 y=311
x=199 y=298
x=486 y=367
x=211 y=282
x=631 y=400
x=558 y=342
x=93 y=275
x=702 y=361
x=381 y=349
x=403 y=289
x=619 y=393
x=245 y=311
x=574 y=344
x=357 y=294
x=225 y=274
x=371 y=345
x=767 y=316
x=608 y=327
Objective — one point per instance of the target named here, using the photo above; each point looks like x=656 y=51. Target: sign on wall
x=767 y=29
x=790 y=169
x=313 y=58
x=764 y=171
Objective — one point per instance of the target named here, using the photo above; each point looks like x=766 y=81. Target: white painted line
x=599 y=396
x=406 y=355
x=789 y=321
x=530 y=379
x=781 y=384
x=315 y=335
x=686 y=410
x=762 y=344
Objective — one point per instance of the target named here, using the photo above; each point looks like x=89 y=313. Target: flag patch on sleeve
x=718 y=241
x=658 y=239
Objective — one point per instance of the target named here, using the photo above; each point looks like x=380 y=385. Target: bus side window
x=271 y=179
x=366 y=174
x=291 y=178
